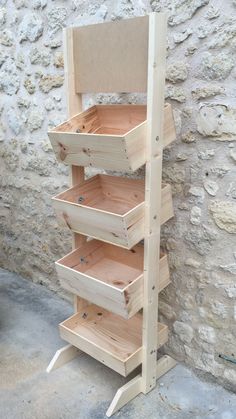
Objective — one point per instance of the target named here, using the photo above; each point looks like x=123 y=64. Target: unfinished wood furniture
x=109 y=208
x=116 y=278
x=108 y=136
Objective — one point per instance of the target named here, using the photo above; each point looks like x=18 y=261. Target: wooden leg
x=125 y=393
x=62 y=356
x=135 y=386
x=164 y=364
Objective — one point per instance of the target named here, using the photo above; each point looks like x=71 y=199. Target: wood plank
x=74 y=106
x=62 y=357
x=153 y=172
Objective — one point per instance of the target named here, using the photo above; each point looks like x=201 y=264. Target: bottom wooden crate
x=109 y=338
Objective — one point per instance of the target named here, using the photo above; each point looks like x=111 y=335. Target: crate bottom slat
x=109 y=338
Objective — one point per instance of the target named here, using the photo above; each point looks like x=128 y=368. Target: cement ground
x=82 y=389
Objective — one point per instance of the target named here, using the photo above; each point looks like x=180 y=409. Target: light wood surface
x=116 y=57
x=108 y=136
x=109 y=338
x=153 y=201
x=109 y=208
x=74 y=106
x=62 y=356
x=108 y=276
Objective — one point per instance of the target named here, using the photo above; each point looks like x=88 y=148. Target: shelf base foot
x=134 y=387
x=62 y=356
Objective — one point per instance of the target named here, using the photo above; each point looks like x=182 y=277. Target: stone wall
x=200 y=305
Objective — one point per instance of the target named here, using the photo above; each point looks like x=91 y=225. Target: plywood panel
x=112 y=56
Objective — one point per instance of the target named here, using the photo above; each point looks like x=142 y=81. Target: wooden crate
x=108 y=276
x=108 y=136
x=109 y=338
x=109 y=208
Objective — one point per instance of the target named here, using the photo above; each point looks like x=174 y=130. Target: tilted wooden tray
x=109 y=208
x=109 y=338
x=108 y=276
x=108 y=136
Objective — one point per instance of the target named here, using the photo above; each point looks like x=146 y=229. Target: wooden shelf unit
x=114 y=278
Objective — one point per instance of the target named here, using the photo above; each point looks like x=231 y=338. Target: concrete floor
x=82 y=389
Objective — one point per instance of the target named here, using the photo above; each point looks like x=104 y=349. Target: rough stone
x=50 y=81
x=215 y=67
x=212 y=13
x=192 y=47
x=183 y=10
x=35 y=119
x=30 y=28
x=14 y=121
x=224 y=215
x=200 y=239
x=29 y=85
x=3 y=14
x=184 y=331
x=217 y=121
x=195 y=215
x=20 y=4
x=6 y=38
x=177 y=72
x=207 y=334
x=58 y=59
x=56 y=18
x=20 y=61
x=22 y=102
x=40 y=56
x=179 y=37
x=3 y=57
x=202 y=31
x=207 y=154
x=181 y=157
x=197 y=192
x=192 y=262
x=211 y=187
x=224 y=34
x=207 y=91
x=175 y=93
x=53 y=43
x=232 y=154
x=49 y=104
x=9 y=78
x=39 y=4
x=174 y=173
x=188 y=137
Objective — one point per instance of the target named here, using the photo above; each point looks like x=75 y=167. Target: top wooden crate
x=108 y=136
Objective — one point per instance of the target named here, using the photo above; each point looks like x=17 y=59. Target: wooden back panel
x=111 y=57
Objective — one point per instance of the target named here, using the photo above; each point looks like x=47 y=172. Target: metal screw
x=157 y=138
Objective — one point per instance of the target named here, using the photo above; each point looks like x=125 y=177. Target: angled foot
x=125 y=393
x=62 y=356
x=131 y=389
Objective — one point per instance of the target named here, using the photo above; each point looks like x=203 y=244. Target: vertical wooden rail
x=74 y=106
x=153 y=178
